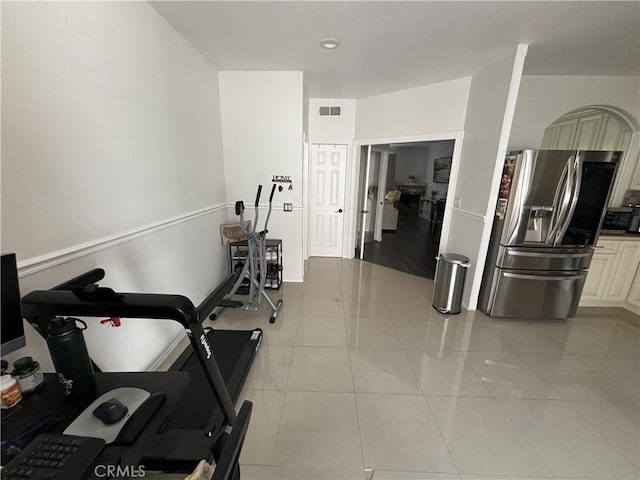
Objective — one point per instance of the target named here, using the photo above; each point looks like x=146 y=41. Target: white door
x=371 y=188
x=361 y=200
x=372 y=196
x=365 y=168
x=326 y=199
x=382 y=183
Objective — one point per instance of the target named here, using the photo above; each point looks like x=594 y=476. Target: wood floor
x=412 y=248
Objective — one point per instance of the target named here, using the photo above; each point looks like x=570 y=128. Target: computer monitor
x=11 y=326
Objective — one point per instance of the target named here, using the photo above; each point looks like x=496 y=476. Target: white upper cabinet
x=614 y=135
x=588 y=129
x=588 y=132
x=635 y=179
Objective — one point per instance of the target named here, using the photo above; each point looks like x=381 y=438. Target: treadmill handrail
x=229 y=458
x=87 y=278
x=104 y=302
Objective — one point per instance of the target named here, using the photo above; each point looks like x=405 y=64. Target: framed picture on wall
x=441 y=170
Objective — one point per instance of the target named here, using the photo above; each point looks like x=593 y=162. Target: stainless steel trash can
x=449 y=282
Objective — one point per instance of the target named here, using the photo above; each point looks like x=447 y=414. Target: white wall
x=418 y=160
x=305 y=113
x=110 y=115
x=262 y=130
x=411 y=161
x=484 y=133
x=487 y=101
x=543 y=99
x=110 y=127
x=185 y=259
x=338 y=130
x=436 y=108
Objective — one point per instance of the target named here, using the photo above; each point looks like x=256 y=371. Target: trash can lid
x=454 y=258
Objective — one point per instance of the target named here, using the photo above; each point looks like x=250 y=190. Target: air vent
x=330 y=111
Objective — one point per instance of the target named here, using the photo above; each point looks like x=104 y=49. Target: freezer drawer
x=536 y=294
x=527 y=258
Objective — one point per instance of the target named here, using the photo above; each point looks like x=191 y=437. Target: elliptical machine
x=255 y=266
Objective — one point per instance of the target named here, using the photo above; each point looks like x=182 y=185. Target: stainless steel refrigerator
x=548 y=216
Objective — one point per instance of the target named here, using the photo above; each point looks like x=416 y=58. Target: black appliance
x=617 y=220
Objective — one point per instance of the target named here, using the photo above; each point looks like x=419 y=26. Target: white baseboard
x=470 y=305
x=631 y=308
x=170 y=352
x=610 y=304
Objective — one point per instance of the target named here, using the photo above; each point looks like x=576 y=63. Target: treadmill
x=217 y=362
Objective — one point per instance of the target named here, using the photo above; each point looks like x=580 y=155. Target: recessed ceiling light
x=329 y=43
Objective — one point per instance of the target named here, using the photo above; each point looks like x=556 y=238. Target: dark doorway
x=412 y=248
x=419 y=173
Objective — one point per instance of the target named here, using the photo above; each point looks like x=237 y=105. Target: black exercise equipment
x=217 y=361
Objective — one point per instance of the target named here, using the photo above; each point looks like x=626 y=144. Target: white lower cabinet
x=624 y=271
x=597 y=278
x=634 y=294
x=613 y=275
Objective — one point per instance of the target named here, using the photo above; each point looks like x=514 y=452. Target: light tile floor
x=361 y=378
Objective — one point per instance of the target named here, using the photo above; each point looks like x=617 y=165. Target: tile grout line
x=284 y=396
x=496 y=399
x=275 y=445
x=512 y=351
x=355 y=399
x=433 y=418
x=597 y=430
x=537 y=455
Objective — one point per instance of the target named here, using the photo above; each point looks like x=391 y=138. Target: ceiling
x=389 y=46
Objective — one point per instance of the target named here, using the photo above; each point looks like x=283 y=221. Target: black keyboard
x=54 y=456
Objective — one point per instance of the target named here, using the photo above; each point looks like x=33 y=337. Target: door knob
x=339 y=210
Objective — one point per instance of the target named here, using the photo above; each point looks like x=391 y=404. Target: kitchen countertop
x=619 y=236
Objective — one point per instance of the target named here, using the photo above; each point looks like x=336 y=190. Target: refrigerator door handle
x=576 y=182
x=521 y=276
x=559 y=201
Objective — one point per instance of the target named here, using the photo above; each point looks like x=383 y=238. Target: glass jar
x=9 y=391
x=28 y=374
